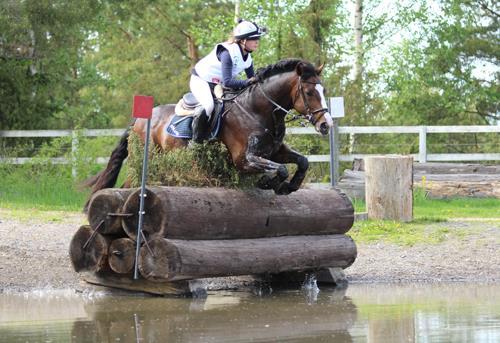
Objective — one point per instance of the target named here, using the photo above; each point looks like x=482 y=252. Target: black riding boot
x=200 y=125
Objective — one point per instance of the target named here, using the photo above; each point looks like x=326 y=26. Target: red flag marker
x=143 y=106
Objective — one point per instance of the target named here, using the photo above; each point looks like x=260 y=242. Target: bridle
x=311 y=116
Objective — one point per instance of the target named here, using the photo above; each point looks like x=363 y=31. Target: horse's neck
x=272 y=94
x=278 y=88
x=269 y=103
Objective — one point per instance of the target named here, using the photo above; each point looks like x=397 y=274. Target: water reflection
x=427 y=313
x=220 y=317
x=380 y=313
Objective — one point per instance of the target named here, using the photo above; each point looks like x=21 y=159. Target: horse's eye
x=309 y=93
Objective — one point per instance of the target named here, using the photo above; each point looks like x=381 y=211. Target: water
x=361 y=313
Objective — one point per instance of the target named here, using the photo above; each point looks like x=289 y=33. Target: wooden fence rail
x=422 y=131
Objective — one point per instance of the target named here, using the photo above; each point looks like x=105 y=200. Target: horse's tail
x=107 y=177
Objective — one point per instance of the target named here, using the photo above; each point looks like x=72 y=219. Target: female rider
x=222 y=65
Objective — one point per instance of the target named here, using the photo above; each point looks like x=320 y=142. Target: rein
x=310 y=115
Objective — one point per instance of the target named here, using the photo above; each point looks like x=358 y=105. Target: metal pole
x=332 y=155
x=143 y=195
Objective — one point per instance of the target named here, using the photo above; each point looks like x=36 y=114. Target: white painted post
x=74 y=149
x=336 y=108
x=422 y=144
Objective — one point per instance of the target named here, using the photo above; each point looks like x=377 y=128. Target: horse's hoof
x=283 y=189
x=267 y=182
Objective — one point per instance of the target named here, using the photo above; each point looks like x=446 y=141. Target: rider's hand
x=252 y=80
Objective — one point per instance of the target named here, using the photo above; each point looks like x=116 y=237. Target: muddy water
x=360 y=313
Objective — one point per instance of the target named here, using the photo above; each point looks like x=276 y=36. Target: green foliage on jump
x=199 y=165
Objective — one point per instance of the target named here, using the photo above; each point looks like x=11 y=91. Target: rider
x=222 y=65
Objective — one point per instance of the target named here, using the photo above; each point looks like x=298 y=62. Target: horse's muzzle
x=324 y=128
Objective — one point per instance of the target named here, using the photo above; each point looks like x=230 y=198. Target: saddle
x=188 y=103
x=180 y=124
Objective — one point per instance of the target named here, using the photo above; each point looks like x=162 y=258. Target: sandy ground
x=34 y=255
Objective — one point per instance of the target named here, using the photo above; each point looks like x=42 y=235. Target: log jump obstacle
x=193 y=233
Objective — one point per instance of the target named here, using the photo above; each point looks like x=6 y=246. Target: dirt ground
x=34 y=255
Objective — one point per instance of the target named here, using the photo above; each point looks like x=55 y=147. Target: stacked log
x=171 y=260
x=439 y=180
x=192 y=233
x=218 y=213
x=104 y=212
x=89 y=250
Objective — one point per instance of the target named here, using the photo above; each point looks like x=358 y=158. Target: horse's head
x=309 y=98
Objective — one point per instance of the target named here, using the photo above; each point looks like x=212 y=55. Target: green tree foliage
x=42 y=44
x=449 y=73
x=149 y=47
x=66 y=64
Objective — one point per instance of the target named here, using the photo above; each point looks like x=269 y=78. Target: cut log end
x=152 y=220
x=103 y=205
x=88 y=250
x=164 y=262
x=122 y=255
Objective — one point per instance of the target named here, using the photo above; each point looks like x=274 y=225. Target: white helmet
x=248 y=30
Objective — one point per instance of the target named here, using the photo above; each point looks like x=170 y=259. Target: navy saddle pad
x=180 y=126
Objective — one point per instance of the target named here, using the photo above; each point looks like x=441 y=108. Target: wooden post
x=389 y=183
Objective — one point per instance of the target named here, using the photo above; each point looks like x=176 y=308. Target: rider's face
x=251 y=44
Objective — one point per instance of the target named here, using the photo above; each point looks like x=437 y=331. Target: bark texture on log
x=122 y=255
x=217 y=213
x=104 y=206
x=92 y=257
x=181 y=260
x=389 y=187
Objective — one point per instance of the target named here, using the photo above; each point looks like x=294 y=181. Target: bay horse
x=253 y=126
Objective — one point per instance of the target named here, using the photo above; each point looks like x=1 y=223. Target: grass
x=430 y=224
x=41 y=187
x=443 y=209
x=407 y=234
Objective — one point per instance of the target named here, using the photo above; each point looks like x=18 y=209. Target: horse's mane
x=284 y=66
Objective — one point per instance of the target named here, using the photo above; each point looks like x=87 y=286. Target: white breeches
x=201 y=90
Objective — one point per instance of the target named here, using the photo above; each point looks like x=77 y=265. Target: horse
x=253 y=126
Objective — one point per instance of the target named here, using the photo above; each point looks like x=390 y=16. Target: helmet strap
x=243 y=46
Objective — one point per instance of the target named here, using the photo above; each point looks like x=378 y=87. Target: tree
x=40 y=54
x=150 y=47
x=449 y=74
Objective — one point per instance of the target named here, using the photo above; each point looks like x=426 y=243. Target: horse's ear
x=299 y=69
x=320 y=69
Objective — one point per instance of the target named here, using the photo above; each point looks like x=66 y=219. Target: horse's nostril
x=323 y=128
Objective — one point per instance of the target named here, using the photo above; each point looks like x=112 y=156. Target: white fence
x=422 y=132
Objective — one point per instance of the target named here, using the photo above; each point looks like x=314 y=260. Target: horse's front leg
x=287 y=155
x=254 y=160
